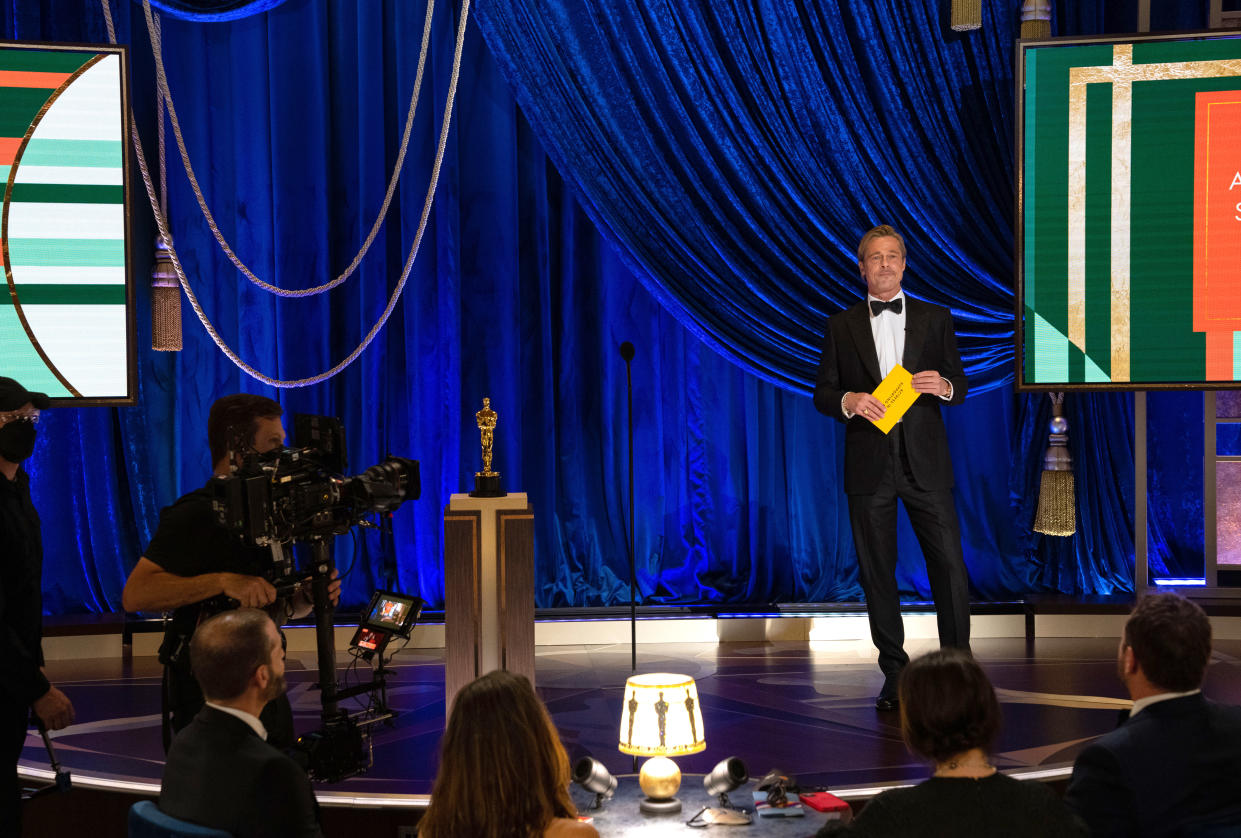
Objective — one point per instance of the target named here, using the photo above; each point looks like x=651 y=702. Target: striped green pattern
x=67 y=193
x=73 y=153
x=43 y=60
x=65 y=234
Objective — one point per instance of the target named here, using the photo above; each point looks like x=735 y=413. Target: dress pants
x=933 y=515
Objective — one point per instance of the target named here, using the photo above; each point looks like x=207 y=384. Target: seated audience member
x=220 y=771
x=950 y=717
x=1174 y=766
x=503 y=771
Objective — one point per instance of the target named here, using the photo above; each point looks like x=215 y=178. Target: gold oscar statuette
x=486 y=482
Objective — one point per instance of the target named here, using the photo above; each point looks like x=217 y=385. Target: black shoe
x=889 y=697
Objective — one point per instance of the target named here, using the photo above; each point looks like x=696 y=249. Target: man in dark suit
x=912 y=462
x=1174 y=766
x=220 y=771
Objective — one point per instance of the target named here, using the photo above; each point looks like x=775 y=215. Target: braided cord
x=165 y=95
x=162 y=223
x=163 y=149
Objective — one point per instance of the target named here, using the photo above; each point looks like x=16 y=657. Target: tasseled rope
x=965 y=15
x=1057 y=514
x=1036 y=19
x=165 y=287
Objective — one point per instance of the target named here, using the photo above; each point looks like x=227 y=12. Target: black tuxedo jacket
x=850 y=364
x=220 y=774
x=1173 y=769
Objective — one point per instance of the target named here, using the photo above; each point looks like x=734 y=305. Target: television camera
x=298 y=494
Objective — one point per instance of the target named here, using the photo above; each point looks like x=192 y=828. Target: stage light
x=727 y=775
x=660 y=718
x=592 y=775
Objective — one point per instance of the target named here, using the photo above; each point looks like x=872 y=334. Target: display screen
x=1129 y=212
x=369 y=638
x=394 y=612
x=66 y=324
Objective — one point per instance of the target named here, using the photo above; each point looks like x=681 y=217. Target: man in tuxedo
x=912 y=462
x=1174 y=766
x=221 y=772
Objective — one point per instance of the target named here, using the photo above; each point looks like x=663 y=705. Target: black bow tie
x=877 y=307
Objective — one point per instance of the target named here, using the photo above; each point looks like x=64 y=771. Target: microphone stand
x=626 y=350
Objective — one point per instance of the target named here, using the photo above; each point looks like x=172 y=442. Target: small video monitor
x=392 y=612
x=369 y=639
x=388 y=615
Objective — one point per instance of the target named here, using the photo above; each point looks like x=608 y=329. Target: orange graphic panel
x=8 y=149
x=26 y=78
x=1217 y=227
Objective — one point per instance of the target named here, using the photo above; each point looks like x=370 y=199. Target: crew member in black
x=196 y=568
x=24 y=685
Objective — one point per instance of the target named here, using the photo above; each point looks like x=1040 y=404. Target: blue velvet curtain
x=525 y=285
x=735 y=152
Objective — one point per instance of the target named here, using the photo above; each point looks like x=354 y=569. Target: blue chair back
x=147 y=821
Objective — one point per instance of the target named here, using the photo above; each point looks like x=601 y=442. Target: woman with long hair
x=503 y=772
x=950 y=717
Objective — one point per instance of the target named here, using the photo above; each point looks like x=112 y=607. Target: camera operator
x=23 y=686
x=196 y=568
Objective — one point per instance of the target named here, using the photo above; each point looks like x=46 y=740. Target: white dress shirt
x=1142 y=703
x=888 y=329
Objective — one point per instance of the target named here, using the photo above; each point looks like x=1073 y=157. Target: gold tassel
x=1036 y=19
x=965 y=15
x=1057 y=513
x=165 y=302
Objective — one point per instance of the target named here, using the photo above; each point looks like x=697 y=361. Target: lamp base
x=663 y=806
x=659 y=779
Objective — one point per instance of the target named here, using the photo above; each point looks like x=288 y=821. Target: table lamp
x=660 y=718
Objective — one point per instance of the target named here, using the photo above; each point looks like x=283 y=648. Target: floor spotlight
x=728 y=774
x=590 y=774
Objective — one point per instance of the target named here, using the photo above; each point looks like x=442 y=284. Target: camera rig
x=298 y=494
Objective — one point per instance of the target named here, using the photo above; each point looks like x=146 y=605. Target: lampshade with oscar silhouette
x=660 y=718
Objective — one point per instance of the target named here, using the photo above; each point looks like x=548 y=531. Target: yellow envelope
x=897 y=393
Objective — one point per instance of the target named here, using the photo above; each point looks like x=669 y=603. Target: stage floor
x=803 y=707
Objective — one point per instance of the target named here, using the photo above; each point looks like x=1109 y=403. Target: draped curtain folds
x=734 y=153
x=709 y=216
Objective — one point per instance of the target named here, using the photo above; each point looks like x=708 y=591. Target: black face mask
x=17 y=441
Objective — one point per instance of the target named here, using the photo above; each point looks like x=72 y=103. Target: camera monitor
x=369 y=639
x=388 y=615
x=392 y=612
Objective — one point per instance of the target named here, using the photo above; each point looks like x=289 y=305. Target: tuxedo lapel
x=915 y=334
x=859 y=329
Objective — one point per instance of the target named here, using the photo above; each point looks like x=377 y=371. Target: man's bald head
x=228 y=648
